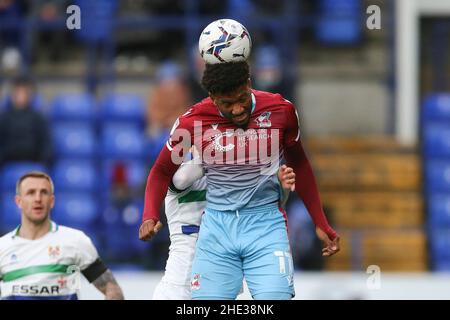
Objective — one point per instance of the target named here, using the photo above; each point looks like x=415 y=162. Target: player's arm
x=160 y=176
x=186 y=175
x=102 y=278
x=286 y=176
x=107 y=284
x=305 y=184
x=94 y=270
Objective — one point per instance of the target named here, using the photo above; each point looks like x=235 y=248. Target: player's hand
x=148 y=229
x=331 y=246
x=286 y=176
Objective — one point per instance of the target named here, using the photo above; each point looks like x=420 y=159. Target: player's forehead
x=35 y=183
x=240 y=92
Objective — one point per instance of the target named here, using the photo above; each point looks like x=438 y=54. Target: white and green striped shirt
x=45 y=268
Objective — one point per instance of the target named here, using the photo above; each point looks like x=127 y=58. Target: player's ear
x=213 y=98
x=52 y=201
x=18 y=200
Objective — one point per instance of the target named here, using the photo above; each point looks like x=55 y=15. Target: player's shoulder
x=72 y=234
x=271 y=99
x=199 y=110
x=6 y=239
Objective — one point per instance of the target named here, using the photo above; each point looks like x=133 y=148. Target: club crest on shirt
x=53 y=252
x=195 y=283
x=13 y=258
x=219 y=140
x=263 y=120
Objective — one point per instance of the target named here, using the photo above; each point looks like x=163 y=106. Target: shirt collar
x=53 y=228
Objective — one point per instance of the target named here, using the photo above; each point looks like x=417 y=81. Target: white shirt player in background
x=41 y=260
x=184 y=205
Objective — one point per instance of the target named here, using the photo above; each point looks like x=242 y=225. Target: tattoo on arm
x=108 y=285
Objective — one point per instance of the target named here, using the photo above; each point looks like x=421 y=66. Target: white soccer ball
x=224 y=40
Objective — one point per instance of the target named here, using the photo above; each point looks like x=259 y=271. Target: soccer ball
x=224 y=40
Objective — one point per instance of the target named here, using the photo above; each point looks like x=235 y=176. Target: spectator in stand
x=169 y=98
x=24 y=131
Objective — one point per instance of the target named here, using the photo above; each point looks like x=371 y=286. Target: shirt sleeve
x=87 y=253
x=292 y=130
x=186 y=175
x=305 y=182
x=165 y=166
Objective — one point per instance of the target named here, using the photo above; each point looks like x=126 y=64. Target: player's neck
x=33 y=231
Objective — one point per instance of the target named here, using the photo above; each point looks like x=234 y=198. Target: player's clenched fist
x=148 y=229
x=286 y=176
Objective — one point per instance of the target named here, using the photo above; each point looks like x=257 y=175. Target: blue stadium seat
x=74 y=140
x=75 y=175
x=98 y=17
x=436 y=139
x=437 y=107
x=340 y=22
x=125 y=223
x=437 y=175
x=439 y=210
x=440 y=242
x=123 y=107
x=11 y=213
x=13 y=171
x=340 y=6
x=441 y=265
x=122 y=141
x=154 y=144
x=136 y=171
x=73 y=107
x=76 y=209
x=338 y=30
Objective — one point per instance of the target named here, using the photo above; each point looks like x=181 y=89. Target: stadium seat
x=10 y=217
x=340 y=22
x=76 y=209
x=125 y=223
x=437 y=175
x=97 y=19
x=337 y=30
x=436 y=107
x=440 y=242
x=339 y=6
x=74 y=140
x=436 y=139
x=439 y=210
x=154 y=144
x=441 y=265
x=123 y=107
x=13 y=171
x=75 y=175
x=73 y=107
x=122 y=141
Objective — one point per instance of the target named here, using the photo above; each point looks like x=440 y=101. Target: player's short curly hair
x=224 y=78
